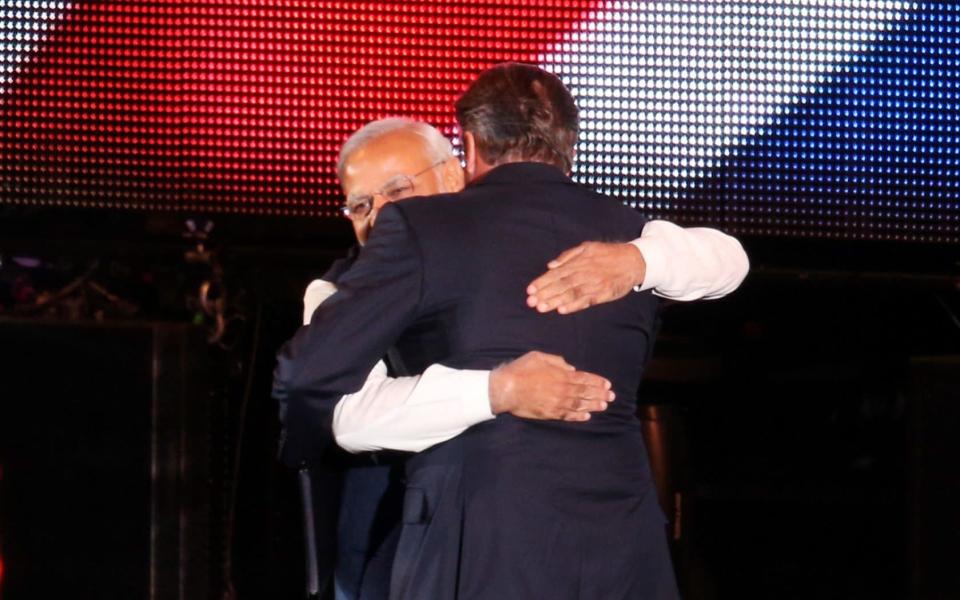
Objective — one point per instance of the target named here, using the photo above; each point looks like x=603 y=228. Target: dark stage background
x=167 y=190
x=811 y=439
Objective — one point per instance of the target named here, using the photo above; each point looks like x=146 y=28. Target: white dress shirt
x=415 y=413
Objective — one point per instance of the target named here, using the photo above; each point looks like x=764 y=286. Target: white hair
x=438 y=147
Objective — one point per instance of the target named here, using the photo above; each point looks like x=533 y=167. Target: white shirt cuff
x=690 y=263
x=653 y=255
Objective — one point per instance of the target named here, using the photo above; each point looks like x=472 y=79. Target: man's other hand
x=544 y=386
x=588 y=274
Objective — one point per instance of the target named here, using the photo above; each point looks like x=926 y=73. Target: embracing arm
x=676 y=263
x=407 y=413
x=350 y=332
x=415 y=413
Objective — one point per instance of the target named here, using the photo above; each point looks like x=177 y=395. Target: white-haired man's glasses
x=399 y=187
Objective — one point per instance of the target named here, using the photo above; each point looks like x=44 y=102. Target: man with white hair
x=393 y=159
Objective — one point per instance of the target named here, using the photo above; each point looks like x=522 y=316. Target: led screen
x=786 y=118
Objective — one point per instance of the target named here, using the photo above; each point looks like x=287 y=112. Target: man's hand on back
x=544 y=386
x=588 y=274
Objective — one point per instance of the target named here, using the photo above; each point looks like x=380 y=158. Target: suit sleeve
x=376 y=299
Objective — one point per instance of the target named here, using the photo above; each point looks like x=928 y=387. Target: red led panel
x=239 y=106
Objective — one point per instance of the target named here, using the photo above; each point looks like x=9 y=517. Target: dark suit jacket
x=356 y=505
x=511 y=508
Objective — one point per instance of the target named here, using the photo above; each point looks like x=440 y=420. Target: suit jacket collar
x=523 y=172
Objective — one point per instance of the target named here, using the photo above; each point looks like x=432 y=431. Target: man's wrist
x=638 y=266
x=500 y=389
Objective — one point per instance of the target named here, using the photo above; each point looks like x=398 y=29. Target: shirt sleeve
x=690 y=263
x=318 y=291
x=411 y=413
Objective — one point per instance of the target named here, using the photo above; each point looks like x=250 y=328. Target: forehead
x=377 y=162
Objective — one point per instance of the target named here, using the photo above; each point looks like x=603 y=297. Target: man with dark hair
x=517 y=113
x=510 y=507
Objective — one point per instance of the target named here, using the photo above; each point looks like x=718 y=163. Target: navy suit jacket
x=511 y=508
x=357 y=501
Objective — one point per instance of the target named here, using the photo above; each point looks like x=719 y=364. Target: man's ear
x=453 y=179
x=470 y=154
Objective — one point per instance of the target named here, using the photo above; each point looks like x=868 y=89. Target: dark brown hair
x=520 y=112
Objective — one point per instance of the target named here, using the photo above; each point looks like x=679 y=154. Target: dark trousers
x=367 y=529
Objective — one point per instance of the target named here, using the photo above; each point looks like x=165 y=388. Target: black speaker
x=109 y=472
